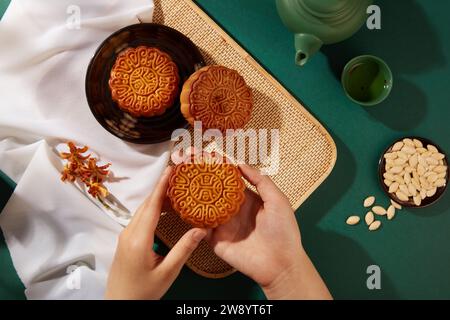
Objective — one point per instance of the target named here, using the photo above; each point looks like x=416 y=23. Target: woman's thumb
x=182 y=250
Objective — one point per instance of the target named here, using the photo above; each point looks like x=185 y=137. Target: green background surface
x=412 y=251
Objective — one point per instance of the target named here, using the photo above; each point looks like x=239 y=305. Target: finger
x=147 y=216
x=180 y=253
x=266 y=188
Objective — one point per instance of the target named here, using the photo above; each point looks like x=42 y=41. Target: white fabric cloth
x=50 y=226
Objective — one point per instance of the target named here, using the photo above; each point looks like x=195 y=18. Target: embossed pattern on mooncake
x=206 y=195
x=217 y=96
x=144 y=81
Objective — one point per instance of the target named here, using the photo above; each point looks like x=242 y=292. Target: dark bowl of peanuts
x=414 y=172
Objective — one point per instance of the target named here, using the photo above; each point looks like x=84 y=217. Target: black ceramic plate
x=139 y=130
x=427 y=201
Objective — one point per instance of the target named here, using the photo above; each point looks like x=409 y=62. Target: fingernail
x=199 y=235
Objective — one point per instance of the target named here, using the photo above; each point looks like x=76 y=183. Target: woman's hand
x=137 y=272
x=263 y=242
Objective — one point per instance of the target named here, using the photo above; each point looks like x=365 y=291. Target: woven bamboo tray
x=308 y=152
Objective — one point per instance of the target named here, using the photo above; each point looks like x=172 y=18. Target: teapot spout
x=306 y=46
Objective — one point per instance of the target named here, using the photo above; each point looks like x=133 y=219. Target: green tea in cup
x=367 y=80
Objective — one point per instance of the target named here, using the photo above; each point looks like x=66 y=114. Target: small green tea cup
x=367 y=80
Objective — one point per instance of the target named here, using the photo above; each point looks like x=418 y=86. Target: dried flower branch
x=85 y=168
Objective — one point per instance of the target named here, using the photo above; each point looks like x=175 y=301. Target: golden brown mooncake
x=217 y=96
x=206 y=194
x=144 y=81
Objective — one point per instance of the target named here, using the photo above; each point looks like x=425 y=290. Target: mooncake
x=218 y=97
x=144 y=81
x=206 y=194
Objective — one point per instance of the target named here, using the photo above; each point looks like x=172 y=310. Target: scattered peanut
x=396 y=205
x=369 y=218
x=353 y=220
x=391 y=212
x=369 y=201
x=375 y=225
x=379 y=210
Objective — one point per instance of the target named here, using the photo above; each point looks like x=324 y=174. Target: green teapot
x=318 y=22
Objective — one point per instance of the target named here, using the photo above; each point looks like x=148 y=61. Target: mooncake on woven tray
x=206 y=194
x=217 y=96
x=144 y=81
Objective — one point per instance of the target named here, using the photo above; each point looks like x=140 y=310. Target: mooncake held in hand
x=218 y=97
x=206 y=194
x=144 y=81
